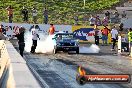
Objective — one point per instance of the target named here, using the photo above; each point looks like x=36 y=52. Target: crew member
x=35 y=37
x=105 y=32
x=96 y=36
x=21 y=42
x=52 y=29
x=114 y=36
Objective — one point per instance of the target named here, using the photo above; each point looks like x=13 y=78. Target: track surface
x=59 y=71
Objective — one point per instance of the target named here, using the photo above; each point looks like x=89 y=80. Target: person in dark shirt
x=25 y=14
x=2 y=32
x=21 y=42
x=45 y=13
x=121 y=27
x=3 y=29
x=107 y=14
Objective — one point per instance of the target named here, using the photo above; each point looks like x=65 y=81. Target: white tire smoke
x=92 y=49
x=46 y=45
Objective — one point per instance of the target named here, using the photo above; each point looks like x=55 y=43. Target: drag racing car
x=65 y=42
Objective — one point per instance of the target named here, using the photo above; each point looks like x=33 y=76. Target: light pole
x=84 y=1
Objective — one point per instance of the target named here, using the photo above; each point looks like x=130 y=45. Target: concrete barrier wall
x=14 y=72
x=4 y=63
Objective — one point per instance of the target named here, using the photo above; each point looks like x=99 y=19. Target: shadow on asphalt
x=96 y=54
x=100 y=54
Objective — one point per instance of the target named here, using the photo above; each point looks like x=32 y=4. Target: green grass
x=60 y=11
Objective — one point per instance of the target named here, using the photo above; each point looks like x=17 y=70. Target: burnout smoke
x=92 y=49
x=44 y=45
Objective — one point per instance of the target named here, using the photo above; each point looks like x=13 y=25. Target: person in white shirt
x=35 y=37
x=114 y=36
x=34 y=13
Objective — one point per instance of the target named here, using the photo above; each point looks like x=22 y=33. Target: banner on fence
x=86 y=33
x=12 y=28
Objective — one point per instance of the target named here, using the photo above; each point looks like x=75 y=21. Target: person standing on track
x=51 y=29
x=35 y=37
x=105 y=32
x=96 y=36
x=21 y=42
x=114 y=36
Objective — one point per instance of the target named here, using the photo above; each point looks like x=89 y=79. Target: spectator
x=98 y=21
x=114 y=36
x=3 y=29
x=130 y=39
x=96 y=36
x=45 y=13
x=85 y=19
x=125 y=43
x=116 y=14
x=92 y=20
x=10 y=13
x=121 y=27
x=35 y=37
x=116 y=17
x=76 y=19
x=21 y=42
x=34 y=13
x=107 y=14
x=51 y=29
x=2 y=37
x=105 y=21
x=105 y=32
x=25 y=14
x=123 y=14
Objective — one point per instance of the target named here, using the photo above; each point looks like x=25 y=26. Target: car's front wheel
x=77 y=51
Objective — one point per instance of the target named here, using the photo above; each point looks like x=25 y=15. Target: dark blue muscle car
x=65 y=42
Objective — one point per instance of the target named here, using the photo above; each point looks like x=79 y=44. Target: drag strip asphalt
x=59 y=72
